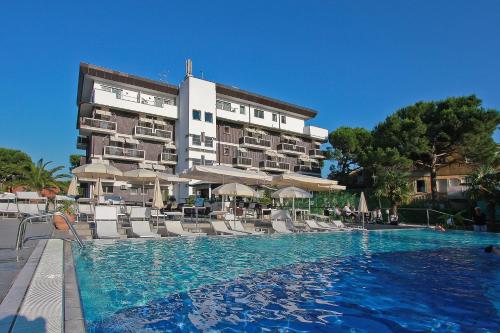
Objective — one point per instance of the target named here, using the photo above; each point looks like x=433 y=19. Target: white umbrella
x=291 y=192
x=141 y=175
x=362 y=208
x=306 y=182
x=97 y=171
x=73 y=187
x=97 y=189
x=157 y=199
x=235 y=189
x=224 y=174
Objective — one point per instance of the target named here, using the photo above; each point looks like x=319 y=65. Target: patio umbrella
x=291 y=192
x=235 y=189
x=224 y=174
x=97 y=171
x=140 y=175
x=73 y=187
x=97 y=189
x=306 y=182
x=363 y=208
x=157 y=199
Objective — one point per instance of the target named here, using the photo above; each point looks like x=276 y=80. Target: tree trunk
x=433 y=171
x=490 y=215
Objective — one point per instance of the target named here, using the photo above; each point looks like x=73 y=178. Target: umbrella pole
x=234 y=216
x=143 y=197
x=293 y=209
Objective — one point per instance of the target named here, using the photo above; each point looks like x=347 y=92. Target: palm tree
x=394 y=186
x=39 y=176
x=484 y=184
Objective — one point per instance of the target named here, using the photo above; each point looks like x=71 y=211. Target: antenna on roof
x=189 y=68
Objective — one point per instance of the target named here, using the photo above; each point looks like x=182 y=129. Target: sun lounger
x=331 y=226
x=85 y=211
x=28 y=209
x=220 y=228
x=280 y=227
x=175 y=228
x=314 y=226
x=106 y=219
x=236 y=225
x=142 y=229
x=340 y=225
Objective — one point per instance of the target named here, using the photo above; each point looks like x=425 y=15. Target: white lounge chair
x=280 y=227
x=314 y=226
x=85 y=211
x=341 y=225
x=220 y=228
x=175 y=228
x=106 y=219
x=236 y=225
x=28 y=209
x=330 y=226
x=142 y=229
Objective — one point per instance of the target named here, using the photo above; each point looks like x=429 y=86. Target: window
x=202 y=161
x=117 y=92
x=196 y=114
x=209 y=141
x=226 y=151
x=283 y=119
x=242 y=109
x=107 y=189
x=196 y=140
x=209 y=117
x=223 y=105
x=275 y=117
x=159 y=102
x=226 y=130
x=421 y=186
x=258 y=113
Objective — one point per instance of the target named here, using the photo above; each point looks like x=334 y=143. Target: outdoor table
x=301 y=212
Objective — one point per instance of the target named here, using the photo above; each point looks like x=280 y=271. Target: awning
x=103 y=112
x=306 y=182
x=224 y=174
x=117 y=138
x=132 y=141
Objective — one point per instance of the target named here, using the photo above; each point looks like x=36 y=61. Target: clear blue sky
x=353 y=61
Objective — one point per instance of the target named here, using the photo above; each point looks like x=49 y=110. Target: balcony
x=120 y=153
x=307 y=169
x=268 y=165
x=255 y=143
x=89 y=125
x=316 y=153
x=82 y=142
x=152 y=134
x=168 y=158
x=242 y=162
x=290 y=149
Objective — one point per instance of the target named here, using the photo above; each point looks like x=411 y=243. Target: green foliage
x=265 y=199
x=13 y=165
x=39 y=176
x=395 y=186
x=484 y=184
x=435 y=134
x=67 y=207
x=74 y=161
x=347 y=146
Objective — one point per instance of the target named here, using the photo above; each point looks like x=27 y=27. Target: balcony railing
x=242 y=161
x=98 y=125
x=152 y=134
x=291 y=149
x=316 y=153
x=307 y=169
x=247 y=141
x=168 y=158
x=124 y=153
x=274 y=165
x=82 y=142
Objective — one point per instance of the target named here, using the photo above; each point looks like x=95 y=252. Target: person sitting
x=439 y=227
x=377 y=216
x=479 y=220
x=337 y=211
x=492 y=249
x=394 y=218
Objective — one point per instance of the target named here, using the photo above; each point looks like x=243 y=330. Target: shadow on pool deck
x=23 y=324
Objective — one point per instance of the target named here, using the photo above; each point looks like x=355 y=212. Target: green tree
x=13 y=165
x=74 y=161
x=395 y=186
x=484 y=184
x=347 y=145
x=39 y=176
x=435 y=134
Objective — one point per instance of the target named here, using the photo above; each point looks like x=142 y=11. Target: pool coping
x=12 y=302
x=73 y=313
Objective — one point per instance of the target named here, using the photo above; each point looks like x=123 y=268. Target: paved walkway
x=9 y=266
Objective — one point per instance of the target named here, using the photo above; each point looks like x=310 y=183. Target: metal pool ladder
x=21 y=230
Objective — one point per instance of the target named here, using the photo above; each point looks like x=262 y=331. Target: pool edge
x=73 y=313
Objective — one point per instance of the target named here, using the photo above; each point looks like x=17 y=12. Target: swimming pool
x=379 y=281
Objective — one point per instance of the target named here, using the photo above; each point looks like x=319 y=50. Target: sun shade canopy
x=224 y=174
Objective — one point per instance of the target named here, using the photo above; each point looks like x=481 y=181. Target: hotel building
x=133 y=122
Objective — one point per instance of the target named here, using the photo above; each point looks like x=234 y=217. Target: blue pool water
x=386 y=281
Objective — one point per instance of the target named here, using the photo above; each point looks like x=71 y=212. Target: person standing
x=479 y=220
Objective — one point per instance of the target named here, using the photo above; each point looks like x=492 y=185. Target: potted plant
x=67 y=208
